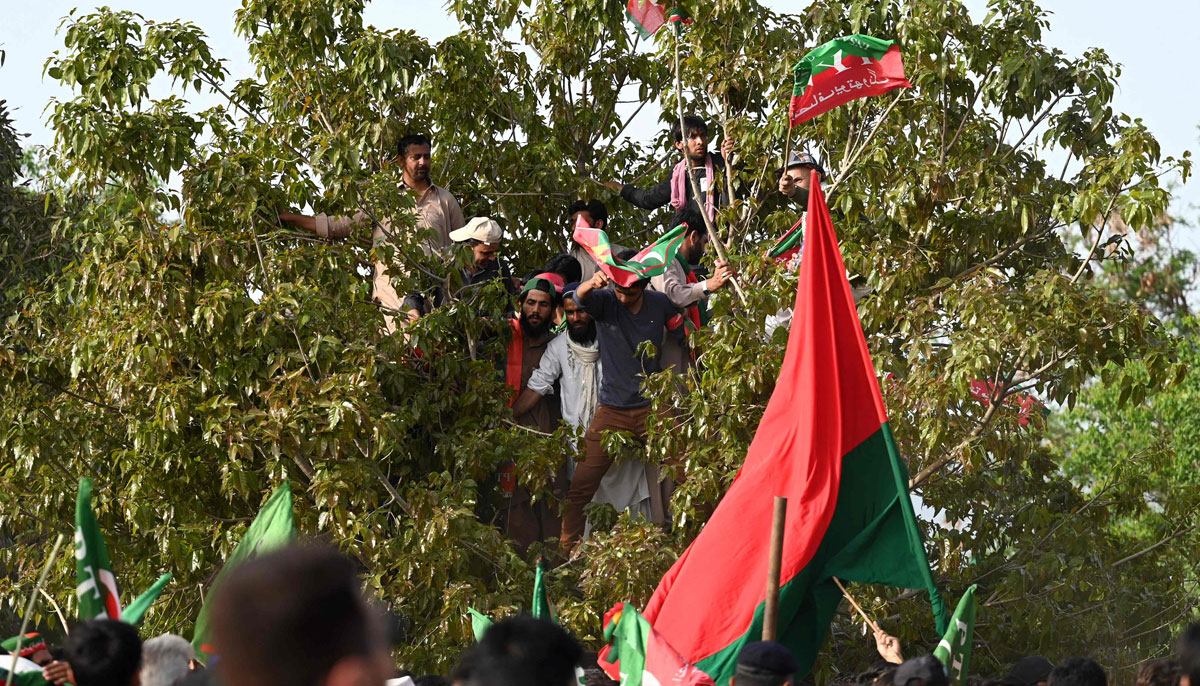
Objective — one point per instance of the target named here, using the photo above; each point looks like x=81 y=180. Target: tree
x=196 y=353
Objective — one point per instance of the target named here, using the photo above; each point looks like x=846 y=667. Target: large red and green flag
x=646 y=16
x=635 y=653
x=650 y=261
x=95 y=584
x=274 y=527
x=842 y=70
x=134 y=612
x=824 y=442
x=955 y=648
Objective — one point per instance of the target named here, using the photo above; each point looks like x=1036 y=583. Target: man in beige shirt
x=436 y=209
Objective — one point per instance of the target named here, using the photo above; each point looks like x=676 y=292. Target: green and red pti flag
x=955 y=648
x=787 y=248
x=95 y=584
x=646 y=16
x=651 y=261
x=635 y=653
x=823 y=442
x=842 y=70
x=274 y=527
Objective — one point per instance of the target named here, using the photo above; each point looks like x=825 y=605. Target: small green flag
x=955 y=648
x=274 y=527
x=541 y=602
x=479 y=623
x=136 y=609
x=95 y=584
x=21 y=678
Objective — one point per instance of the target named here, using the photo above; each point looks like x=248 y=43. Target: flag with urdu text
x=651 y=261
x=842 y=70
x=95 y=584
x=824 y=442
x=646 y=16
x=133 y=612
x=274 y=527
x=634 y=652
x=955 y=648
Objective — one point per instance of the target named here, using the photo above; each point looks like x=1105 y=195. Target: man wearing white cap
x=483 y=236
x=436 y=210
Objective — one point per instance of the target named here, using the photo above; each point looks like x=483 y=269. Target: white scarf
x=585 y=357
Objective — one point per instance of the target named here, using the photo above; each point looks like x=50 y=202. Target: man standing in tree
x=688 y=293
x=626 y=317
x=797 y=177
x=525 y=522
x=676 y=189
x=436 y=212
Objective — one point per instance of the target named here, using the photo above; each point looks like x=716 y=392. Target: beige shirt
x=673 y=283
x=436 y=209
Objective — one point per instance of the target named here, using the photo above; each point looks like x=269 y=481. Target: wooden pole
x=12 y=668
x=870 y=622
x=775 y=562
x=712 y=232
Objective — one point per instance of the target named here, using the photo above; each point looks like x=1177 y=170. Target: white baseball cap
x=481 y=229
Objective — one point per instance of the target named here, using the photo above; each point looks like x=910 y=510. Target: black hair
x=1161 y=672
x=597 y=209
x=287 y=617
x=626 y=253
x=104 y=652
x=522 y=650
x=431 y=680
x=762 y=677
x=692 y=123
x=411 y=140
x=1078 y=671
x=572 y=272
x=1189 y=653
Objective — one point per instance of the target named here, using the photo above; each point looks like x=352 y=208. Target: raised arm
x=598 y=280
x=324 y=225
x=649 y=198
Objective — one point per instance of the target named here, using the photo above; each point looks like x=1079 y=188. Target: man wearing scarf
x=525 y=522
x=688 y=293
x=676 y=189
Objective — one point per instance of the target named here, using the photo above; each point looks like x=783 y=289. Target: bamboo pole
x=12 y=667
x=870 y=622
x=774 y=564
x=712 y=233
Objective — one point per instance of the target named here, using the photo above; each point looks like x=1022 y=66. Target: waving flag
x=95 y=584
x=136 y=609
x=842 y=70
x=824 y=442
x=651 y=261
x=955 y=648
x=646 y=16
x=787 y=248
x=636 y=653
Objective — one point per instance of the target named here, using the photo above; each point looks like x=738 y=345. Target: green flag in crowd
x=479 y=623
x=95 y=585
x=541 y=603
x=955 y=648
x=274 y=527
x=136 y=609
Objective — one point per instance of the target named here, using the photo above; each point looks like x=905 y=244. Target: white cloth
x=626 y=484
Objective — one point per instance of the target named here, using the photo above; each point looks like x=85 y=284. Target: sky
x=1154 y=85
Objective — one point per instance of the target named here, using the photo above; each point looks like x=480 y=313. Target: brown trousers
x=596 y=462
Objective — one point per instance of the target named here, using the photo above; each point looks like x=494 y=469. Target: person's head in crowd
x=580 y=326
x=538 y=300
x=296 y=617
x=1032 y=670
x=872 y=673
x=1162 y=672
x=1078 y=671
x=1189 y=656
x=565 y=266
x=630 y=296
x=692 y=137
x=483 y=236
x=166 y=660
x=594 y=213
x=796 y=177
x=695 y=241
x=521 y=651
x=104 y=652
x=33 y=648
x=887 y=676
x=414 y=151
x=926 y=670
x=431 y=680
x=764 y=663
